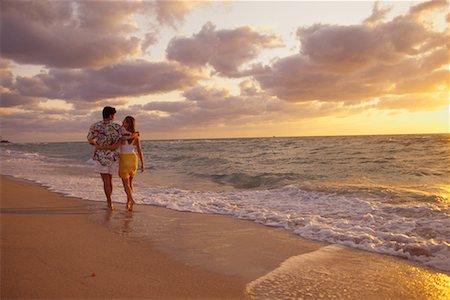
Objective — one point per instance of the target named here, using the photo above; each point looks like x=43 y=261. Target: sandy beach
x=58 y=247
x=50 y=249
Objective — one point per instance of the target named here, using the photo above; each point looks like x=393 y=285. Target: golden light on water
x=431 y=285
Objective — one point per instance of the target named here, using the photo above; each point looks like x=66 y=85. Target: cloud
x=11 y=100
x=6 y=75
x=225 y=50
x=166 y=106
x=204 y=106
x=45 y=124
x=173 y=12
x=378 y=14
x=68 y=34
x=428 y=6
x=359 y=63
x=430 y=83
x=89 y=47
x=132 y=78
x=78 y=34
x=413 y=103
x=212 y=107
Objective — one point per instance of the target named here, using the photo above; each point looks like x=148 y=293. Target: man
x=106 y=133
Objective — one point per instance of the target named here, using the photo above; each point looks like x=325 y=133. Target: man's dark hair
x=107 y=111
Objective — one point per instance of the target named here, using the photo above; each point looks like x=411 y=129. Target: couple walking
x=115 y=143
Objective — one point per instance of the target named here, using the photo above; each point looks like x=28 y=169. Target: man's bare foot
x=110 y=206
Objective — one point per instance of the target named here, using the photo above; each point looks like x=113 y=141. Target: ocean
x=388 y=194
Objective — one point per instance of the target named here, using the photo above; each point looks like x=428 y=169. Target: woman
x=128 y=161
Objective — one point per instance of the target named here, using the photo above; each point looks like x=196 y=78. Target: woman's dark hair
x=108 y=111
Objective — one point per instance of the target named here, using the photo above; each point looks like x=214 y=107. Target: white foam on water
x=352 y=222
x=79 y=181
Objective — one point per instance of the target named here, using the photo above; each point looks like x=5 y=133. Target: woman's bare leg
x=128 y=191
x=131 y=183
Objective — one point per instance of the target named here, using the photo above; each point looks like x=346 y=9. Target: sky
x=224 y=69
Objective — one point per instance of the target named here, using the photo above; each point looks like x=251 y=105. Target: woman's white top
x=126 y=148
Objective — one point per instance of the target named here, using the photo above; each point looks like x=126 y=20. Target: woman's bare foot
x=130 y=205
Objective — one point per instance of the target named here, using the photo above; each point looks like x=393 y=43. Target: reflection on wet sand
x=338 y=272
x=119 y=221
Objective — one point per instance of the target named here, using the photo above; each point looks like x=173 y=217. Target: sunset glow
x=217 y=69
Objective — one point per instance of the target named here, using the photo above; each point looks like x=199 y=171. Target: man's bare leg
x=107 y=186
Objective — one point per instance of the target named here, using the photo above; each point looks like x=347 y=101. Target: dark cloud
x=68 y=34
x=11 y=100
x=358 y=63
x=78 y=34
x=225 y=50
x=45 y=125
x=133 y=78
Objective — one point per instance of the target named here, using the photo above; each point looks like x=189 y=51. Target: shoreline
x=50 y=249
x=58 y=247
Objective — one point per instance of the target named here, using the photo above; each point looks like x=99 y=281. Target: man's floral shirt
x=106 y=133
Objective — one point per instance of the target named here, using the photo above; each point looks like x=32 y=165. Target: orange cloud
x=427 y=6
x=6 y=75
x=172 y=12
x=413 y=103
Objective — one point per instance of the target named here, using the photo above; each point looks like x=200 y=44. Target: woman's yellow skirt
x=128 y=164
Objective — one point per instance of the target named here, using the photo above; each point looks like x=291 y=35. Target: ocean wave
x=245 y=181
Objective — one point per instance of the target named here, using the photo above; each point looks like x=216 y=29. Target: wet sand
x=58 y=247
x=50 y=249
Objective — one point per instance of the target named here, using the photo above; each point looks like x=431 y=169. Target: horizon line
x=249 y=137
